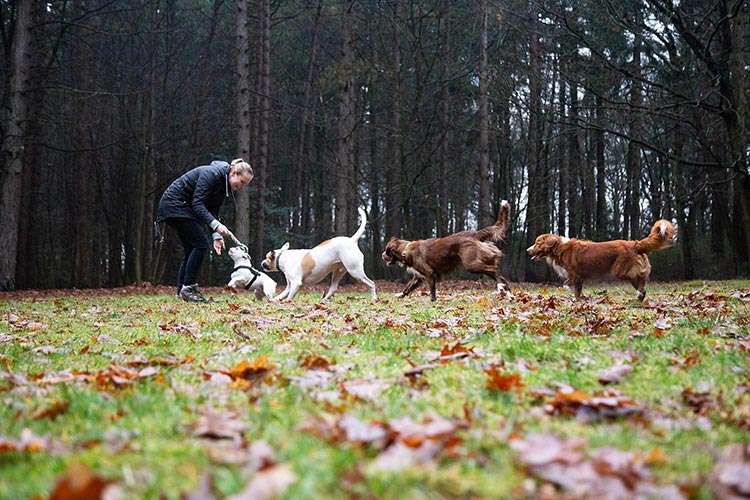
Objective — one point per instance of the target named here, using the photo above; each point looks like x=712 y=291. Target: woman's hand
x=219 y=244
x=222 y=230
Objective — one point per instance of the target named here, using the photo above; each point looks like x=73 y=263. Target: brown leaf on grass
x=215 y=425
x=400 y=456
x=691 y=359
x=347 y=428
x=414 y=443
x=730 y=479
x=28 y=442
x=614 y=374
x=700 y=402
x=50 y=411
x=541 y=449
x=367 y=390
x=355 y=430
x=503 y=382
x=117 y=376
x=448 y=353
x=413 y=434
x=251 y=371
x=316 y=363
x=609 y=404
x=267 y=484
x=80 y=483
x=608 y=473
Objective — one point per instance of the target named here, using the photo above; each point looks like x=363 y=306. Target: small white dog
x=336 y=256
x=245 y=276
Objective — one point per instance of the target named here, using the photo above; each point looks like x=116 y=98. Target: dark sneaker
x=190 y=293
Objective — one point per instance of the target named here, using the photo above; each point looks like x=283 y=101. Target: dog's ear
x=284 y=247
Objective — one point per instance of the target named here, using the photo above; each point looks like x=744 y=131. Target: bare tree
x=484 y=137
x=242 y=219
x=13 y=144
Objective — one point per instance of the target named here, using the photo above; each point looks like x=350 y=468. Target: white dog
x=336 y=256
x=245 y=276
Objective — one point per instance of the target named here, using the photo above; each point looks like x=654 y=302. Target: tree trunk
x=148 y=146
x=633 y=170
x=13 y=145
x=564 y=164
x=575 y=221
x=601 y=184
x=393 y=168
x=483 y=214
x=536 y=211
x=242 y=217
x=445 y=123
x=346 y=121
x=301 y=157
x=264 y=15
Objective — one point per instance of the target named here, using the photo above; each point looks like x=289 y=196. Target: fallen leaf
x=503 y=382
x=614 y=374
x=267 y=484
x=79 y=483
x=730 y=479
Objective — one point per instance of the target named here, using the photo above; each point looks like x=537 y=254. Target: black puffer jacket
x=197 y=194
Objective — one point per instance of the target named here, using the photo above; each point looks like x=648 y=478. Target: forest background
x=593 y=118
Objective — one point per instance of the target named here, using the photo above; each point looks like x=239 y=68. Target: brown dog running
x=433 y=258
x=579 y=260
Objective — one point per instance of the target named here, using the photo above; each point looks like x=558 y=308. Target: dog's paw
x=399 y=295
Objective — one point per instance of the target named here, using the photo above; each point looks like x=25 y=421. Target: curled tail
x=663 y=235
x=361 y=230
x=497 y=231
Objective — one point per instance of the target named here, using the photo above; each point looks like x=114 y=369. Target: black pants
x=195 y=244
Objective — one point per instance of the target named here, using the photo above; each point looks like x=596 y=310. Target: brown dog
x=431 y=259
x=579 y=260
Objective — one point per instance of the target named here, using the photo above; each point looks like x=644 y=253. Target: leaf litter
x=571 y=467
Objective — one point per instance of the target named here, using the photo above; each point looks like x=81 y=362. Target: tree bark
x=242 y=197
x=633 y=169
x=345 y=127
x=264 y=15
x=13 y=145
x=302 y=157
x=484 y=136
x=536 y=211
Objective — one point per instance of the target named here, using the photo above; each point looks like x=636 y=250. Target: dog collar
x=255 y=272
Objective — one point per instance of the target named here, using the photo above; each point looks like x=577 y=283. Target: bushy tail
x=361 y=230
x=497 y=231
x=663 y=235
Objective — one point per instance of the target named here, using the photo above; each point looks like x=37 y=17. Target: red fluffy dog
x=431 y=259
x=579 y=260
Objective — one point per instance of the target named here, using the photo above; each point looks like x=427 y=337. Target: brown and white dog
x=336 y=256
x=577 y=261
x=431 y=259
x=245 y=276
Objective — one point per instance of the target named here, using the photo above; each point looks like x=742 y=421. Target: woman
x=191 y=201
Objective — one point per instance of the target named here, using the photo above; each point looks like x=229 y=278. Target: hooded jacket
x=197 y=194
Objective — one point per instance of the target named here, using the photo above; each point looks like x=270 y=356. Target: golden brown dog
x=432 y=258
x=577 y=261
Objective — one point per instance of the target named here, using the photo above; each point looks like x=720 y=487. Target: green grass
x=57 y=356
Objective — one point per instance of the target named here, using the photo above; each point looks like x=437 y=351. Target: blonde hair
x=240 y=166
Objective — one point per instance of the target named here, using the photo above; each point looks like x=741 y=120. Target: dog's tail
x=361 y=230
x=499 y=229
x=663 y=235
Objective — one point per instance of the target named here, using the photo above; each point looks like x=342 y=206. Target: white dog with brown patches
x=336 y=257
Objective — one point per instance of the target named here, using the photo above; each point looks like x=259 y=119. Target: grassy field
x=472 y=396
